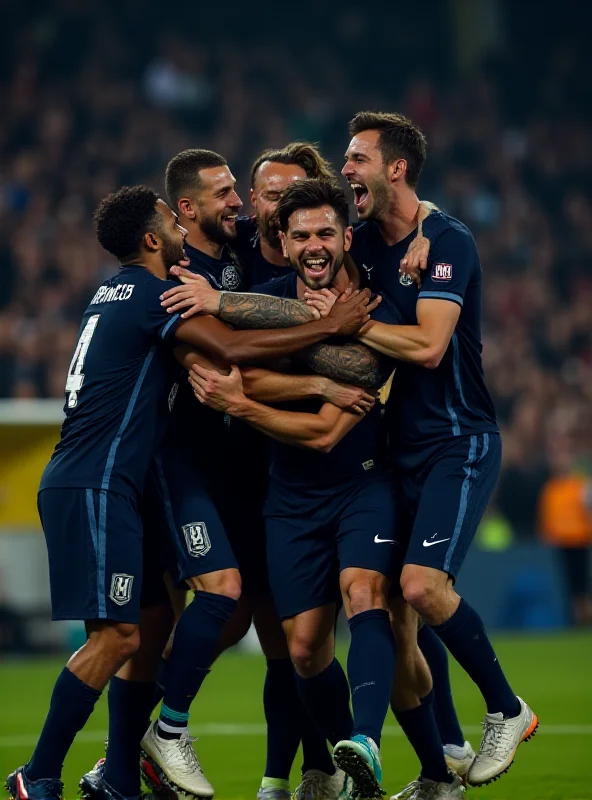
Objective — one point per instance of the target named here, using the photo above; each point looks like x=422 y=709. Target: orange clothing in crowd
x=564 y=519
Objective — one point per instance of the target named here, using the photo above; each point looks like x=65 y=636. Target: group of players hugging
x=285 y=415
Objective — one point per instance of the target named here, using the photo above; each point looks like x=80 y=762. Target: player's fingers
x=200 y=372
x=181 y=272
x=374 y=303
x=191 y=312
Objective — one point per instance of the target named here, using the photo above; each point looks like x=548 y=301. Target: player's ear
x=151 y=241
x=185 y=206
x=284 y=242
x=397 y=170
x=252 y=197
x=347 y=237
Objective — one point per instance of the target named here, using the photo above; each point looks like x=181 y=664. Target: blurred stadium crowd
x=92 y=101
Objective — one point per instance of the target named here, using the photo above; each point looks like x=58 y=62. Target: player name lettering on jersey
x=107 y=294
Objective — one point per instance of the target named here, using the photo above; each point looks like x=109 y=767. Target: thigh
x=199 y=541
x=366 y=530
x=454 y=495
x=302 y=564
x=94 y=544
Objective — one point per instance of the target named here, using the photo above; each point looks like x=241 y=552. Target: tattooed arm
x=350 y=362
x=263 y=311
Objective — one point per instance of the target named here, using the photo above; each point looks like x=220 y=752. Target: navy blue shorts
x=315 y=533
x=184 y=510
x=440 y=504
x=100 y=567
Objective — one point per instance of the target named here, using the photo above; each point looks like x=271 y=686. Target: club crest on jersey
x=442 y=272
x=405 y=280
x=121 y=588
x=231 y=278
x=197 y=539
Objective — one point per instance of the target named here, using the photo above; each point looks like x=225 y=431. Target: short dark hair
x=398 y=138
x=123 y=217
x=301 y=154
x=312 y=193
x=182 y=172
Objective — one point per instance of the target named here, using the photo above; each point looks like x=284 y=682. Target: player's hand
x=416 y=258
x=349 y=398
x=194 y=297
x=350 y=315
x=322 y=300
x=220 y=392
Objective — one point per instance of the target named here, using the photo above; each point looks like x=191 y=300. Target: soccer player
x=444 y=441
x=117 y=395
x=209 y=498
x=258 y=243
x=329 y=498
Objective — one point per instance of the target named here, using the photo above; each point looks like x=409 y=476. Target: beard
x=270 y=232
x=326 y=280
x=172 y=253
x=380 y=201
x=215 y=232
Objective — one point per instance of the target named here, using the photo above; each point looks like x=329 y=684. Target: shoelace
x=495 y=733
x=187 y=751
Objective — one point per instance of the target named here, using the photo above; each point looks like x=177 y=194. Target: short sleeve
x=160 y=323
x=452 y=264
x=282 y=287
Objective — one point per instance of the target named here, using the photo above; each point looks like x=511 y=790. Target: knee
x=422 y=594
x=123 y=641
x=226 y=582
x=303 y=655
x=365 y=594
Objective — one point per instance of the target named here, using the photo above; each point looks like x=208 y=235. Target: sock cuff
x=364 y=616
x=77 y=686
x=457 y=620
x=410 y=714
x=428 y=700
x=172 y=715
x=219 y=606
x=139 y=689
x=280 y=665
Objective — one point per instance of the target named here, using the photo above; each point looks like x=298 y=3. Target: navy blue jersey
x=430 y=405
x=118 y=387
x=248 y=247
x=360 y=449
x=193 y=425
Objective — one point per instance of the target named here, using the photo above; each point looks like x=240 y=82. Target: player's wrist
x=239 y=406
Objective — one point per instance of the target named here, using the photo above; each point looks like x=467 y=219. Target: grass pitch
x=553 y=673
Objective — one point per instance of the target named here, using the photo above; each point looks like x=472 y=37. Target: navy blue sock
x=160 y=683
x=465 y=637
x=192 y=654
x=437 y=657
x=419 y=726
x=370 y=669
x=72 y=703
x=130 y=705
x=288 y=723
x=283 y=714
x=326 y=697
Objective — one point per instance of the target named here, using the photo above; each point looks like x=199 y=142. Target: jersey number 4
x=75 y=374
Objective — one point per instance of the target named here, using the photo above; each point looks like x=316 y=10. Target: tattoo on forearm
x=262 y=311
x=349 y=363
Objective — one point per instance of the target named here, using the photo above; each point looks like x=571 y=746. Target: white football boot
x=425 y=789
x=459 y=759
x=500 y=741
x=175 y=763
x=317 y=785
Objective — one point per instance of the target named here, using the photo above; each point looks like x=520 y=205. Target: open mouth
x=317 y=267
x=230 y=218
x=360 y=194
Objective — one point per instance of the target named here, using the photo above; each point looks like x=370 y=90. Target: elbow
x=324 y=443
x=431 y=357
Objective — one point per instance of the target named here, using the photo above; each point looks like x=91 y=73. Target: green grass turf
x=554 y=673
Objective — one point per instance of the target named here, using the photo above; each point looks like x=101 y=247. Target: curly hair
x=300 y=154
x=398 y=137
x=312 y=193
x=123 y=217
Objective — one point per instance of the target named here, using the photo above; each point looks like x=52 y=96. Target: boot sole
x=361 y=773
x=530 y=732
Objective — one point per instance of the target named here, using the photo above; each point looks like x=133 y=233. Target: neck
x=401 y=216
x=152 y=263
x=197 y=238
x=270 y=253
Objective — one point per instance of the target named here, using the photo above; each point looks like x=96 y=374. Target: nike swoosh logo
x=378 y=540
x=438 y=541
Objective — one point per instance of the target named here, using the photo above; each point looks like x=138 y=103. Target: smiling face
x=367 y=175
x=217 y=204
x=315 y=243
x=270 y=181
